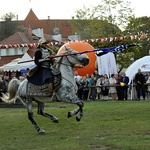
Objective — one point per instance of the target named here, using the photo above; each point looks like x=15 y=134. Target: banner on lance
x=107 y=64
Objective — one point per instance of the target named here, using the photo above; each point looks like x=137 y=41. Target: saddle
x=42 y=90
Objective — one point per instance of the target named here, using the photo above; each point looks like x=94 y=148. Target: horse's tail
x=11 y=94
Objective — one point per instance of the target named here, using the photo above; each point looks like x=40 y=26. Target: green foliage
x=116 y=12
x=105 y=125
x=8 y=16
x=88 y=29
x=102 y=20
x=8 y=26
x=140 y=27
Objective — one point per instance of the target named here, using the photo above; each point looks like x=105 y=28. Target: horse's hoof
x=69 y=115
x=56 y=121
x=78 y=119
x=41 y=131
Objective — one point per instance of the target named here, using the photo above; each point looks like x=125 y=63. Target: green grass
x=106 y=125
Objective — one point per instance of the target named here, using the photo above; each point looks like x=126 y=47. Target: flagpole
x=132 y=90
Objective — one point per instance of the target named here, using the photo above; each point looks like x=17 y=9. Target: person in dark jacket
x=139 y=81
x=124 y=80
x=43 y=73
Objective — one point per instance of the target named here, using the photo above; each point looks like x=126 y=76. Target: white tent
x=14 y=65
x=142 y=63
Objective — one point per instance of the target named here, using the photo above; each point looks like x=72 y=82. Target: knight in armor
x=43 y=73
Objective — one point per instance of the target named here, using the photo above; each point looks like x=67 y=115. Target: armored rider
x=43 y=73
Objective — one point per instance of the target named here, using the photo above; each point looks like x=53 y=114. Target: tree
x=105 y=21
x=116 y=12
x=102 y=20
x=8 y=17
x=140 y=28
x=8 y=26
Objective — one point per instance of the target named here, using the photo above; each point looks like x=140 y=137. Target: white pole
x=132 y=90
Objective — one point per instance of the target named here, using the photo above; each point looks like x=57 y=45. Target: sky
x=61 y=9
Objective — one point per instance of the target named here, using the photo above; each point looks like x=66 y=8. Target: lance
x=62 y=55
x=103 y=51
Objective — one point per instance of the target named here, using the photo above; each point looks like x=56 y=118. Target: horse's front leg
x=80 y=114
x=78 y=111
x=41 y=112
x=31 y=118
x=73 y=112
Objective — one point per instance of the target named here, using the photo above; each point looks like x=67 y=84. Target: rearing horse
x=65 y=92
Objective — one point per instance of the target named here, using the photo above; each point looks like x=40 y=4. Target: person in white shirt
x=112 y=89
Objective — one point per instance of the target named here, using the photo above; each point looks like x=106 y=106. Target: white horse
x=65 y=92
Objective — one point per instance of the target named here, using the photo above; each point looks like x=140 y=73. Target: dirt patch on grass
x=4 y=105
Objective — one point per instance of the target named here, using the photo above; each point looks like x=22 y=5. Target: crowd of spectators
x=4 y=80
x=116 y=87
x=99 y=87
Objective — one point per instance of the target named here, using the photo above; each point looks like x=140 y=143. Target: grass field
x=106 y=125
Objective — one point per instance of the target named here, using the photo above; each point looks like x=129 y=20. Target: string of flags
x=101 y=40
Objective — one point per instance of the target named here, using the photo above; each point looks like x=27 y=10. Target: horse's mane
x=58 y=60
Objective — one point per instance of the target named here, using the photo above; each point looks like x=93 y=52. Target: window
x=11 y=51
x=3 y=52
x=20 y=50
x=56 y=30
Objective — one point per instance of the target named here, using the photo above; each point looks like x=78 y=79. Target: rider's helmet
x=42 y=41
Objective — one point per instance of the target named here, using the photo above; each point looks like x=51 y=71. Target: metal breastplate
x=45 y=54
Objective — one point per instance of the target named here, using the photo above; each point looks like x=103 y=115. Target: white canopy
x=142 y=63
x=14 y=65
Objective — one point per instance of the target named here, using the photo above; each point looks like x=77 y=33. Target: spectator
x=132 y=89
x=118 y=88
x=1 y=87
x=112 y=89
x=96 y=75
x=124 y=86
x=88 y=79
x=93 y=89
x=76 y=76
x=98 y=89
x=1 y=83
x=140 y=87
x=85 y=88
x=147 y=75
x=21 y=78
x=105 y=83
x=5 y=83
x=148 y=86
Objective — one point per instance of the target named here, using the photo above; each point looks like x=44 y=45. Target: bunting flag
x=116 y=49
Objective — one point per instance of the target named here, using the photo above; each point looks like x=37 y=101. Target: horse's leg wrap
x=73 y=112
x=80 y=114
x=41 y=112
x=78 y=111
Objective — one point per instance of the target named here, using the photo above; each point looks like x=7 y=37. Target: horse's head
x=75 y=58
